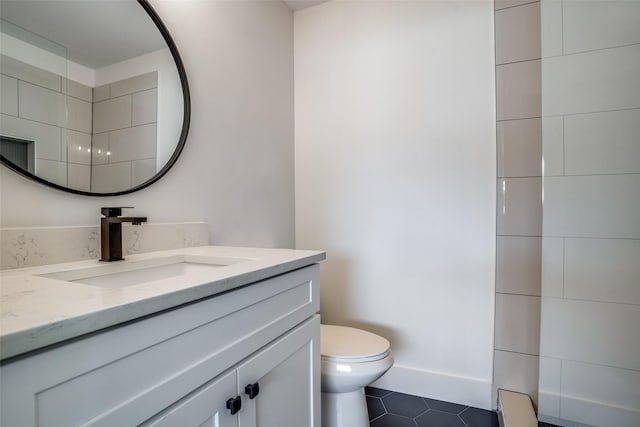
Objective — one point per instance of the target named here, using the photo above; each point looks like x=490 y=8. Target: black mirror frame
x=183 y=134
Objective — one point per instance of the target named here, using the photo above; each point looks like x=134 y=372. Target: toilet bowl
x=350 y=359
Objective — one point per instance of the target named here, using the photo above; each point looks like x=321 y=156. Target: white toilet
x=350 y=359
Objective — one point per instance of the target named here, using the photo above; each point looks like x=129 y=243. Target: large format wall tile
x=144 y=107
x=602 y=143
x=590 y=413
x=111 y=177
x=551 y=24
x=53 y=171
x=79 y=114
x=45 y=137
x=138 y=142
x=100 y=149
x=77 y=90
x=517 y=323
x=519 y=145
x=592 y=206
x=553 y=146
x=28 y=73
x=602 y=270
x=518 y=265
x=142 y=170
x=592 y=332
x=112 y=114
x=79 y=176
x=549 y=386
x=42 y=105
x=616 y=22
x=597 y=383
x=101 y=93
x=516 y=372
x=518 y=90
x=552 y=277
x=134 y=84
x=519 y=209
x=517 y=32
x=589 y=82
x=9 y=90
x=502 y=4
x=78 y=146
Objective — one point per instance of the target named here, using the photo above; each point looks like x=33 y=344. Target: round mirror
x=94 y=96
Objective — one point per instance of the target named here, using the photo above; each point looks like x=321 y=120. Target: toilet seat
x=350 y=359
x=342 y=343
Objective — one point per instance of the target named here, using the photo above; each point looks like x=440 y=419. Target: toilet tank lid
x=346 y=342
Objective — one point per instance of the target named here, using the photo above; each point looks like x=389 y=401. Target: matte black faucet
x=111 y=232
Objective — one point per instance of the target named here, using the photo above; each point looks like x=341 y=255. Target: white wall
x=395 y=178
x=236 y=171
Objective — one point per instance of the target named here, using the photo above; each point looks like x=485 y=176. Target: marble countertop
x=37 y=311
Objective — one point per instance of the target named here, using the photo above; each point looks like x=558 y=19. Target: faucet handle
x=114 y=211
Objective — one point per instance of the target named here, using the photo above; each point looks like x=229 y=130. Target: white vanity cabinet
x=283 y=374
x=180 y=367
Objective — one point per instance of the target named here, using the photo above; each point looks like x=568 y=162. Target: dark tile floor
x=391 y=409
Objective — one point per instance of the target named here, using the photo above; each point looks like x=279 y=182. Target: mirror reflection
x=91 y=98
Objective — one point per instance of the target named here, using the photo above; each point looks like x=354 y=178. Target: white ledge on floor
x=515 y=410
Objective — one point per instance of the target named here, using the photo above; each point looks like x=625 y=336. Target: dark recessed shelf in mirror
x=95 y=99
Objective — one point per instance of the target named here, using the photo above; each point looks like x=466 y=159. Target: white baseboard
x=574 y=412
x=436 y=385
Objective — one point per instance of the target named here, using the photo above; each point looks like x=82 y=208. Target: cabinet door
x=288 y=376
x=205 y=407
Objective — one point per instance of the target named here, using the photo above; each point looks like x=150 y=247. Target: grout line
x=562 y=26
x=122 y=161
x=516 y=5
x=18 y=109
x=591 y=174
x=564 y=261
x=524 y=235
x=602 y=365
x=613 y=110
x=592 y=300
x=47 y=88
x=379 y=416
x=519 y=295
x=580 y=52
x=518 y=352
x=123 y=95
x=518 y=62
x=564 y=151
x=520 y=118
x=526 y=176
x=45 y=123
x=597 y=238
x=570 y=237
x=125 y=128
x=500 y=178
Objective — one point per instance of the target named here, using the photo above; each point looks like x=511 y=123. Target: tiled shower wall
x=124 y=133
x=519 y=204
x=73 y=126
x=590 y=344
x=35 y=103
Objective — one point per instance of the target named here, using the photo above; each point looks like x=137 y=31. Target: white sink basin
x=122 y=274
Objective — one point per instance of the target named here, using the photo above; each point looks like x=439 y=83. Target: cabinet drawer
x=127 y=374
